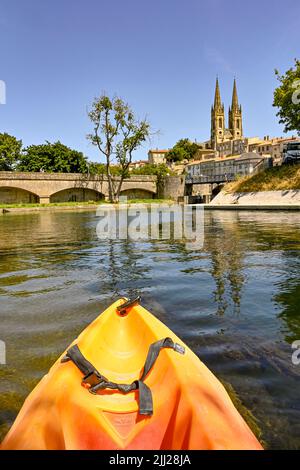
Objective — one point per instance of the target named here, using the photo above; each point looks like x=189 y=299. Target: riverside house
x=227 y=168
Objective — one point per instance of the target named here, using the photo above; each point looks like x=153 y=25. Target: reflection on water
x=235 y=301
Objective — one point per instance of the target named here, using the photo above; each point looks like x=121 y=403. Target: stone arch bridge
x=43 y=188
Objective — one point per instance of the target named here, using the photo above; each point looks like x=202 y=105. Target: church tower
x=235 y=116
x=217 y=119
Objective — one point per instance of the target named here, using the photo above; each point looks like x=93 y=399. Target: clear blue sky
x=162 y=56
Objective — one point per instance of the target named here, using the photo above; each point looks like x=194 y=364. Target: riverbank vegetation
x=52 y=204
x=52 y=158
x=48 y=157
x=84 y=203
x=279 y=178
x=10 y=151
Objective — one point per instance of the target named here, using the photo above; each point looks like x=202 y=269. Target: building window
x=220 y=122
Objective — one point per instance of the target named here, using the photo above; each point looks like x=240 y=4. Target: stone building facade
x=156 y=157
x=232 y=167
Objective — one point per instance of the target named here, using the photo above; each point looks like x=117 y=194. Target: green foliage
x=56 y=158
x=96 y=168
x=160 y=170
x=10 y=151
x=100 y=169
x=53 y=204
x=184 y=149
x=287 y=98
x=82 y=205
x=149 y=201
x=177 y=154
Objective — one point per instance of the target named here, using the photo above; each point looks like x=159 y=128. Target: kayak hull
x=191 y=408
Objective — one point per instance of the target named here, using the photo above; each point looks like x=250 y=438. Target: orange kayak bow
x=128 y=382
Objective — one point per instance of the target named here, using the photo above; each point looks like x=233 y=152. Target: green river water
x=235 y=302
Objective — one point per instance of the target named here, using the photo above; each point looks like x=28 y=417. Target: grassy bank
x=53 y=204
x=80 y=204
x=147 y=201
x=273 y=179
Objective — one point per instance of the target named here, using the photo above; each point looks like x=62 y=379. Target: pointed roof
x=235 y=102
x=217 y=102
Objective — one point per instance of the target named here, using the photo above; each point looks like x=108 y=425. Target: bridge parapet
x=69 y=186
x=16 y=175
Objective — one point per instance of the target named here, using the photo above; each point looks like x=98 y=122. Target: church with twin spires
x=221 y=136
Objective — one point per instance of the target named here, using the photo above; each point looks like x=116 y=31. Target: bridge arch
x=137 y=193
x=76 y=194
x=15 y=195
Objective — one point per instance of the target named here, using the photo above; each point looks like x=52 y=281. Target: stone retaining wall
x=289 y=197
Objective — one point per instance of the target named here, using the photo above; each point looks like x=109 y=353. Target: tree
x=117 y=134
x=287 y=98
x=52 y=158
x=184 y=149
x=96 y=168
x=160 y=170
x=10 y=151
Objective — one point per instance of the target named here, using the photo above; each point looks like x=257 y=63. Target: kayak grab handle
x=122 y=309
x=93 y=381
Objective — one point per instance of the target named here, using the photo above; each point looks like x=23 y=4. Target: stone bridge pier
x=17 y=188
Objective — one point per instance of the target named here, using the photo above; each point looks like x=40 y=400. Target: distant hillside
x=272 y=179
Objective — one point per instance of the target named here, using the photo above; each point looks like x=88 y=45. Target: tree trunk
x=117 y=194
x=109 y=180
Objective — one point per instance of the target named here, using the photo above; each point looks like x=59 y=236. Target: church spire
x=235 y=102
x=217 y=102
x=235 y=115
x=217 y=119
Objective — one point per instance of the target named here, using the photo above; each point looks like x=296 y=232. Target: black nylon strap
x=145 y=399
x=124 y=388
x=153 y=354
x=74 y=354
x=98 y=382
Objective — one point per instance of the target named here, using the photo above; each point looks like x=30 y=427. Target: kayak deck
x=191 y=409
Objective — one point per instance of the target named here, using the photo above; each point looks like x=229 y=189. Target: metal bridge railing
x=198 y=179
